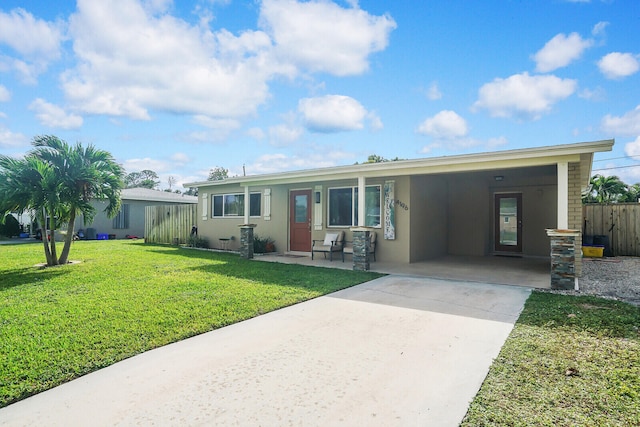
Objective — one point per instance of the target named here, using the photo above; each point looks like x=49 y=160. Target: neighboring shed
x=130 y=220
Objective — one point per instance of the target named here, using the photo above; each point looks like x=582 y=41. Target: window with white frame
x=232 y=205
x=121 y=220
x=343 y=206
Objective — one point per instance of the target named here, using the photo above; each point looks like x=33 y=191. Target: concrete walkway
x=397 y=351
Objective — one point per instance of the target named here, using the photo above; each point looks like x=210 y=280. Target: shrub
x=10 y=227
x=197 y=242
x=263 y=245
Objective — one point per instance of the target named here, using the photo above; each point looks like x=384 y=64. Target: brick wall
x=575 y=212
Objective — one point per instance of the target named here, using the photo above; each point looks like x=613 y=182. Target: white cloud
x=560 y=51
x=446 y=124
x=599 y=28
x=10 y=139
x=633 y=148
x=618 y=65
x=147 y=163
x=53 y=116
x=375 y=122
x=130 y=61
x=135 y=58
x=464 y=143
x=284 y=134
x=312 y=158
x=433 y=92
x=332 y=113
x=523 y=95
x=626 y=125
x=180 y=159
x=597 y=94
x=216 y=123
x=255 y=133
x=321 y=36
x=35 y=41
x=428 y=149
x=5 y=95
x=497 y=142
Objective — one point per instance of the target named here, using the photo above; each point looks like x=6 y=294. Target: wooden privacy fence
x=169 y=223
x=620 y=222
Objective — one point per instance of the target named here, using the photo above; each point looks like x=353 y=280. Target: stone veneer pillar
x=361 y=249
x=565 y=249
x=246 y=240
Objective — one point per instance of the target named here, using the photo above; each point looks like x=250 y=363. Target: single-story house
x=130 y=219
x=494 y=203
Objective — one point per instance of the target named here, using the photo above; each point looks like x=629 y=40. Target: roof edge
x=535 y=152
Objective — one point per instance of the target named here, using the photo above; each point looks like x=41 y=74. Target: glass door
x=508 y=222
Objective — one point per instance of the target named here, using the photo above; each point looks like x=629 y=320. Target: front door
x=508 y=226
x=300 y=221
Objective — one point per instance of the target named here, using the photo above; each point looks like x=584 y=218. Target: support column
x=361 y=248
x=564 y=244
x=247 y=204
x=362 y=211
x=563 y=196
x=246 y=240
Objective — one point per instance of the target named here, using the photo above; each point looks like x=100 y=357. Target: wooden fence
x=620 y=222
x=169 y=223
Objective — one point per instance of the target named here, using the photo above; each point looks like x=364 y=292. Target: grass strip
x=569 y=361
x=127 y=297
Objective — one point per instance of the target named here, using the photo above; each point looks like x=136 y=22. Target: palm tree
x=606 y=189
x=59 y=181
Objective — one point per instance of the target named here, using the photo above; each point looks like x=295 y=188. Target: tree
x=606 y=189
x=218 y=174
x=145 y=179
x=633 y=193
x=58 y=182
x=375 y=158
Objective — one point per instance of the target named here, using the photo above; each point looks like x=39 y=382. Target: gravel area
x=617 y=278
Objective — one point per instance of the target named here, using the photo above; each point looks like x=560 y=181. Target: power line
x=616 y=158
x=616 y=167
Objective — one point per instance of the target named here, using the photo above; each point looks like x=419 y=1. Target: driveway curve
x=395 y=351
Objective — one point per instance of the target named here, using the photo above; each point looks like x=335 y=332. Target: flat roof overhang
x=540 y=156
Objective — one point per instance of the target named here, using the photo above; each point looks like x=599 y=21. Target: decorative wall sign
x=389 y=211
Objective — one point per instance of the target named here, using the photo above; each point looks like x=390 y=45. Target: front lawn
x=126 y=297
x=569 y=361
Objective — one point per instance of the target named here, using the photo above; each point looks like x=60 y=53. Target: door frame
x=309 y=192
x=497 y=247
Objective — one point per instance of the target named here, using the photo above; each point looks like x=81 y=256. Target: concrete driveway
x=397 y=351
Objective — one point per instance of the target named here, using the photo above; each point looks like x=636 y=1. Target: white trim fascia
x=540 y=156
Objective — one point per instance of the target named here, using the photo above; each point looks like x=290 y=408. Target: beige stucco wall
x=214 y=229
x=396 y=250
x=435 y=214
x=277 y=227
x=430 y=217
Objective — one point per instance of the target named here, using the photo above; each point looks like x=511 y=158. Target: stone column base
x=361 y=249
x=564 y=244
x=246 y=240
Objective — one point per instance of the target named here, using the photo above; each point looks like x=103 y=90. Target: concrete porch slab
x=501 y=270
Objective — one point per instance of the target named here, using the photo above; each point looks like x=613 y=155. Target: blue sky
x=180 y=87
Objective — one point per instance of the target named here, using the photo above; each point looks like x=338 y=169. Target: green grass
x=126 y=297
x=569 y=361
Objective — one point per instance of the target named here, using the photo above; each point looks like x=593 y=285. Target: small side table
x=225 y=244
